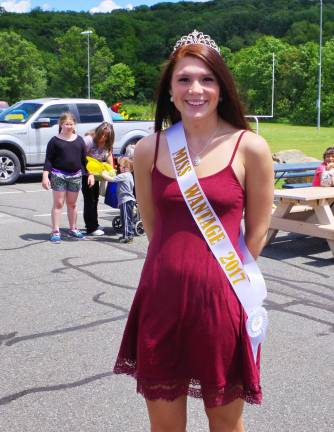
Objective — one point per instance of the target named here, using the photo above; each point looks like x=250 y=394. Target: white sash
x=245 y=277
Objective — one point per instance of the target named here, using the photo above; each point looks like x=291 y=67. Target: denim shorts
x=61 y=182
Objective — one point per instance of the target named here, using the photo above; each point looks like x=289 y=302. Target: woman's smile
x=196 y=102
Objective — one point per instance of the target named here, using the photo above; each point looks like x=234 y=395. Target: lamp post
x=88 y=33
x=319 y=69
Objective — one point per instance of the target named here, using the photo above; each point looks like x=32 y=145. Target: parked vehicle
x=27 y=127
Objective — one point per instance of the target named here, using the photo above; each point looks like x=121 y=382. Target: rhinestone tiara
x=195 y=38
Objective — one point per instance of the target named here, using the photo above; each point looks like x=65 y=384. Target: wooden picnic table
x=306 y=211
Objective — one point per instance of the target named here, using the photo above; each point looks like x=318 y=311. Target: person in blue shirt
x=125 y=196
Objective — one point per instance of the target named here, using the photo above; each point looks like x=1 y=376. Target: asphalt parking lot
x=63 y=309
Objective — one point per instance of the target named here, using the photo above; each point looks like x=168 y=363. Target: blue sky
x=93 y=6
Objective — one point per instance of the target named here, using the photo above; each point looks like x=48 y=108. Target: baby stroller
x=111 y=200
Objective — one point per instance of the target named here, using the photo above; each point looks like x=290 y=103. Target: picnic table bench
x=295 y=170
x=306 y=211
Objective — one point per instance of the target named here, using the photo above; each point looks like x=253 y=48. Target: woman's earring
x=171 y=98
x=220 y=99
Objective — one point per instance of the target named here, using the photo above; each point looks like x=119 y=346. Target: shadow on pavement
x=295 y=245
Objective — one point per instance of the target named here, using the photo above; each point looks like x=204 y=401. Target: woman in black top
x=65 y=163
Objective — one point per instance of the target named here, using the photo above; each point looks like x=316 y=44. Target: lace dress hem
x=172 y=389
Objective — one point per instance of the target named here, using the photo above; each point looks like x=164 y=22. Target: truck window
x=19 y=113
x=53 y=112
x=90 y=113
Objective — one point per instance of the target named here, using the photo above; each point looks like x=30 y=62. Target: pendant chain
x=196 y=156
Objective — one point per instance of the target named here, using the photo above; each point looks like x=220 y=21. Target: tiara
x=195 y=38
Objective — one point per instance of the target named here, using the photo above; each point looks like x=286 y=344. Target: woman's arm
x=45 y=180
x=48 y=164
x=143 y=163
x=259 y=186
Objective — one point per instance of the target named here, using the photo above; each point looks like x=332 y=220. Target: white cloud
x=46 y=7
x=105 y=6
x=16 y=6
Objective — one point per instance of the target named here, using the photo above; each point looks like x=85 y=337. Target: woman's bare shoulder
x=254 y=145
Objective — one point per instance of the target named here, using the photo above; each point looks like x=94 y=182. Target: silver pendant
x=196 y=160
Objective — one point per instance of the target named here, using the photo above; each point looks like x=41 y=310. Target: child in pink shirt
x=324 y=175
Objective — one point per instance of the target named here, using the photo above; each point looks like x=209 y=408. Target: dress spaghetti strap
x=236 y=147
x=157 y=142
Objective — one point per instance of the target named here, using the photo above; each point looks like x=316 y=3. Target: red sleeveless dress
x=186 y=332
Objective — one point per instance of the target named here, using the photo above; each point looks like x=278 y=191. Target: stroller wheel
x=117 y=223
x=139 y=228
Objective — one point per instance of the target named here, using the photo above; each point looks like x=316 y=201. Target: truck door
x=89 y=116
x=43 y=135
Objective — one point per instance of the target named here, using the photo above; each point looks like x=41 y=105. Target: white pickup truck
x=27 y=126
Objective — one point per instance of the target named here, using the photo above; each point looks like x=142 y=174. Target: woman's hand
x=91 y=180
x=45 y=180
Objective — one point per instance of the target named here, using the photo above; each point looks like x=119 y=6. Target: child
x=99 y=146
x=65 y=163
x=324 y=175
x=125 y=197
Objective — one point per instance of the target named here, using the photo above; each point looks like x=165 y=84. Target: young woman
x=186 y=332
x=64 y=166
x=99 y=146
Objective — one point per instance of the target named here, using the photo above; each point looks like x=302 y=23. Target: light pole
x=319 y=69
x=88 y=33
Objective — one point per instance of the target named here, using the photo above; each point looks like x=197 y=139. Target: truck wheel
x=10 y=167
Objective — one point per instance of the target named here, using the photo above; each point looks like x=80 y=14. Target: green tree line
x=44 y=54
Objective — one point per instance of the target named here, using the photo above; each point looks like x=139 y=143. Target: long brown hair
x=103 y=128
x=229 y=108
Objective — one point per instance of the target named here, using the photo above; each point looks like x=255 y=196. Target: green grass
x=308 y=139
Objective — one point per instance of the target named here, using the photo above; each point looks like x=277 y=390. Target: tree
x=147 y=78
x=22 y=74
x=252 y=68
x=298 y=87
x=327 y=99
x=301 y=32
x=68 y=76
x=119 y=84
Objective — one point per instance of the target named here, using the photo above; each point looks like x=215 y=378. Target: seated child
x=125 y=197
x=324 y=175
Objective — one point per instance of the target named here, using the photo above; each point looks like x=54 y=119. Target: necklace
x=196 y=157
